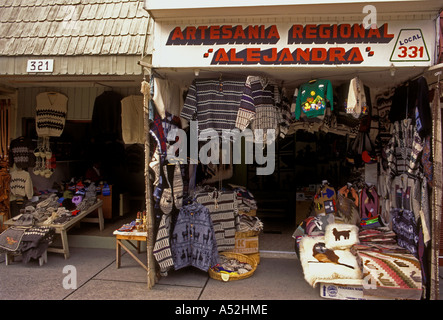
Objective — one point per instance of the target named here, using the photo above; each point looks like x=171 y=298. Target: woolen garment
x=193 y=239
x=106 y=121
x=403 y=149
x=21 y=184
x=406 y=229
x=258 y=104
x=313 y=98
x=356 y=104
x=213 y=103
x=162 y=248
x=224 y=214
x=412 y=101
x=167 y=97
x=132 y=119
x=50 y=114
x=21 y=153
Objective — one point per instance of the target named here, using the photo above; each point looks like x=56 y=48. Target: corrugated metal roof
x=72 y=27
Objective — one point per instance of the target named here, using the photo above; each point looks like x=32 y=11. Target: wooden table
x=129 y=236
x=62 y=229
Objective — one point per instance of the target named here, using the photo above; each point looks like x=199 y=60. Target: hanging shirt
x=313 y=98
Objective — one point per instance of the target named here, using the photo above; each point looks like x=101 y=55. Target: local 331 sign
x=295 y=44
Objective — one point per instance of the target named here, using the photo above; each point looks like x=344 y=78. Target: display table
x=129 y=236
x=62 y=229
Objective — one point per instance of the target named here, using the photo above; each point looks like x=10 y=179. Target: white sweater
x=21 y=184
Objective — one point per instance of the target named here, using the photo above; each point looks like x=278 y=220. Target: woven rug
x=10 y=239
x=390 y=275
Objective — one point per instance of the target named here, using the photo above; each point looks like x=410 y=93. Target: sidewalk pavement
x=97 y=278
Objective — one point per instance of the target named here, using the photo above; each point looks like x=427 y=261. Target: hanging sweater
x=21 y=153
x=193 y=239
x=357 y=104
x=106 y=122
x=132 y=119
x=51 y=112
x=404 y=149
x=258 y=104
x=313 y=98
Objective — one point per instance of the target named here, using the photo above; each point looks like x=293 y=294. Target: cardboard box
x=246 y=245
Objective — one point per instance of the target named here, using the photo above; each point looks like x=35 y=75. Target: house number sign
x=41 y=65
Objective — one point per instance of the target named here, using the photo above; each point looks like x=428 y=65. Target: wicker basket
x=234 y=276
x=247 y=234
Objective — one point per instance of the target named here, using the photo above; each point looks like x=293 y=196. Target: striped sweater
x=213 y=103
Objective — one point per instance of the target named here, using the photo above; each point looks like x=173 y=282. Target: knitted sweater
x=21 y=153
x=51 y=114
x=313 y=98
x=21 y=184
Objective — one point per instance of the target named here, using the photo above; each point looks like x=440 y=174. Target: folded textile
x=249 y=223
x=10 y=239
x=391 y=275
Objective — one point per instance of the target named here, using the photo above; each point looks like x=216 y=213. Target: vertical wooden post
x=151 y=274
x=437 y=195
